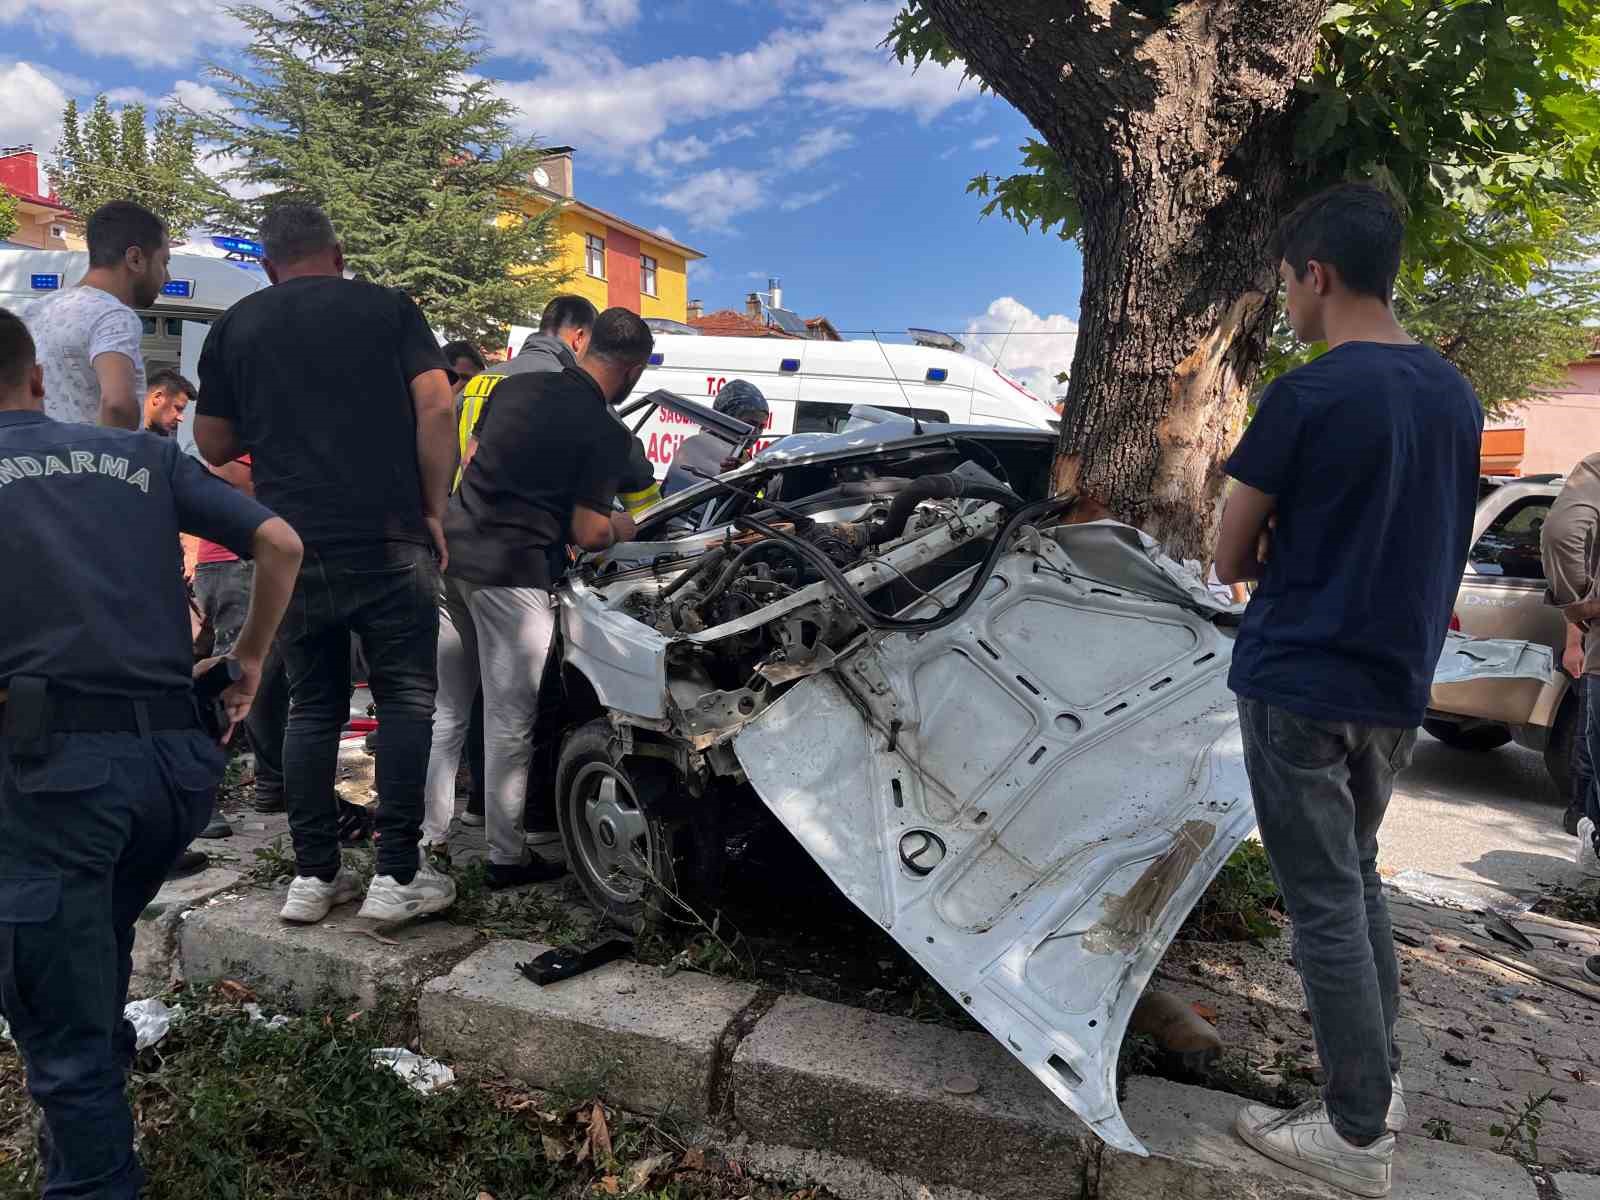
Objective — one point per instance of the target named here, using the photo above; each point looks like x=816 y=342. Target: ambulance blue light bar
x=242 y=246
x=937 y=374
x=44 y=283
x=182 y=289
x=657 y=359
x=789 y=364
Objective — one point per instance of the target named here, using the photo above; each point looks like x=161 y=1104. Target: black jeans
x=388 y=595
x=266 y=725
x=1584 y=750
x=87 y=835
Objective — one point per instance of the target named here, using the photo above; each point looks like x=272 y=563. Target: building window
x=59 y=232
x=647 y=275
x=595 y=255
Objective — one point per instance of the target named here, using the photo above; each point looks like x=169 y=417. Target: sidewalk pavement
x=1479 y=1038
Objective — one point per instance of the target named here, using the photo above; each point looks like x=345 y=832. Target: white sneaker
x=1306 y=1140
x=1585 y=856
x=310 y=899
x=1398 y=1113
x=389 y=900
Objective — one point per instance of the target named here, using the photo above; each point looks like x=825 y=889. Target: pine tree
x=373 y=110
x=108 y=156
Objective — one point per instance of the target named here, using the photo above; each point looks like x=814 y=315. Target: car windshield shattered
x=1007 y=739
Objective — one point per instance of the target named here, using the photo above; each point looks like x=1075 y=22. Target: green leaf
x=1325 y=116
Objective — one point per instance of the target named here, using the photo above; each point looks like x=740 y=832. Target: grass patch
x=530 y=914
x=230 y=1110
x=1579 y=905
x=1242 y=904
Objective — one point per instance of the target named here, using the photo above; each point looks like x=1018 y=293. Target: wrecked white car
x=1007 y=740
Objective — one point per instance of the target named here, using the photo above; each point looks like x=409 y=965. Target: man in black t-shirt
x=337 y=390
x=1365 y=458
x=545 y=474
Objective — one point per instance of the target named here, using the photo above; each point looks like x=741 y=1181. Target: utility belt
x=32 y=711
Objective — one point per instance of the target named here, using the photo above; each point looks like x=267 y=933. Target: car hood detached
x=1029 y=800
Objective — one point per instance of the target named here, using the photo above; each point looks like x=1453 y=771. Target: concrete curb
x=240 y=937
x=872 y=1106
x=155 y=937
x=622 y=1031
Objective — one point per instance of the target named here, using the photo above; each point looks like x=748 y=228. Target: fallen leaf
x=640 y=1174
x=354 y=1017
x=1577 y=1075
x=694 y=1159
x=610 y=1185
x=235 y=991
x=599 y=1131
x=1204 y=1011
x=1457 y=1060
x=923 y=1193
x=485 y=1196
x=553 y=1150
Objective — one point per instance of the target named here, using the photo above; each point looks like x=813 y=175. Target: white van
x=202 y=288
x=811 y=386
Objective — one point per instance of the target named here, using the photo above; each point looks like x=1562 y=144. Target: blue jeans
x=387 y=594
x=1321 y=789
x=87 y=834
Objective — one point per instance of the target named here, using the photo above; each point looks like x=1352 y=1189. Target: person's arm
x=1240 y=541
x=237 y=475
x=1566 y=546
x=1262 y=467
x=113 y=349
x=121 y=406
x=277 y=552
x=1572 y=657
x=217 y=439
x=217 y=512
x=436 y=451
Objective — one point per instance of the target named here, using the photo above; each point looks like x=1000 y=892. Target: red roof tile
x=726 y=322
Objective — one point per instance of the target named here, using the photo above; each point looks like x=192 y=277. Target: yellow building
x=613 y=262
x=43 y=222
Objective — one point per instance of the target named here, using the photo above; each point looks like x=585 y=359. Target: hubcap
x=613 y=835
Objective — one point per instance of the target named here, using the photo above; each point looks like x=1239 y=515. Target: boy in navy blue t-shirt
x=1354 y=491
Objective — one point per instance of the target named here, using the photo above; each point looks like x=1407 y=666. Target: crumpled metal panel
x=1030 y=800
x=624 y=661
x=1492 y=679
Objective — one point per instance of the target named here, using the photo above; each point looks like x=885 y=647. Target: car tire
x=625 y=856
x=1558 y=751
x=1475 y=738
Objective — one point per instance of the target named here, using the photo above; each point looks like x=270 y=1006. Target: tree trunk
x=1176 y=131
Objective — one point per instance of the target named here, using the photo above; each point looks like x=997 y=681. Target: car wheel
x=1558 y=751
x=627 y=859
x=1476 y=738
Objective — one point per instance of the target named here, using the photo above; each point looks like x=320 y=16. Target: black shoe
x=535 y=870
x=356 y=823
x=190 y=862
x=218 y=827
x=272 y=802
x=1591 y=968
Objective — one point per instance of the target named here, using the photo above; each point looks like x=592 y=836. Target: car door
x=1503 y=589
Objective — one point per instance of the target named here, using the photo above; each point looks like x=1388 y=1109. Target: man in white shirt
x=88 y=335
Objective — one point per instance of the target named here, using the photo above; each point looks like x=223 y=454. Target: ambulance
x=812 y=386
x=200 y=290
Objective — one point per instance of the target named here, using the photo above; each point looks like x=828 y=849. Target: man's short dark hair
x=168 y=381
x=464 y=349
x=115 y=227
x=296 y=230
x=621 y=337
x=1354 y=228
x=567 y=312
x=17 y=353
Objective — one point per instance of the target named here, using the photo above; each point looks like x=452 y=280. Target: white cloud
x=155 y=34
x=1034 y=348
x=984 y=143
x=711 y=199
x=132 y=95
x=30 y=107
x=526 y=29
x=798 y=200
x=815 y=146
x=589 y=97
x=666 y=233
x=201 y=97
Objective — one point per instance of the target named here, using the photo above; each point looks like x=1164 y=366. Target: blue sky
x=771 y=135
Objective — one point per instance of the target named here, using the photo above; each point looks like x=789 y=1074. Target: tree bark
x=1177 y=132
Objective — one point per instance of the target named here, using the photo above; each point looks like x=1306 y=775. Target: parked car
x=1502 y=597
x=1009 y=741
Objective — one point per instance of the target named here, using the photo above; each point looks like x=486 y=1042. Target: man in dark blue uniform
x=106 y=769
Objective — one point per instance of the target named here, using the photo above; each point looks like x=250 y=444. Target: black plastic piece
x=566 y=961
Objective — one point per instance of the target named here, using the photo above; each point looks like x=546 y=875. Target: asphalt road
x=1489 y=822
